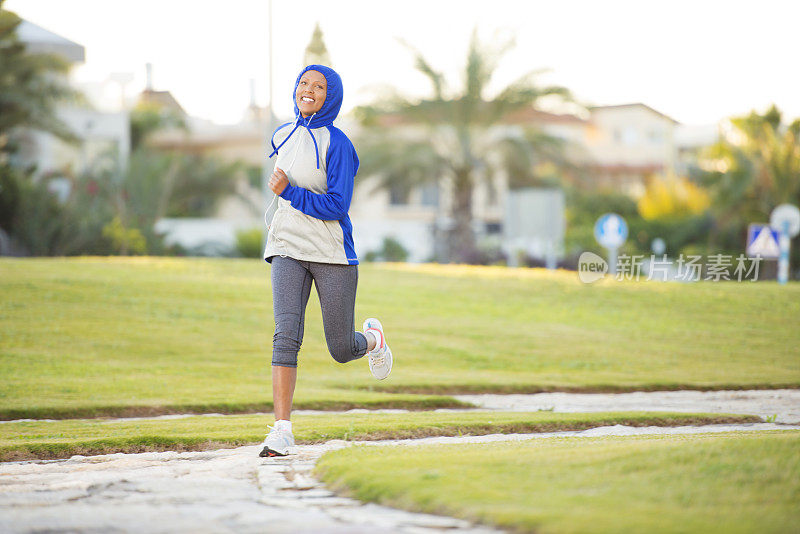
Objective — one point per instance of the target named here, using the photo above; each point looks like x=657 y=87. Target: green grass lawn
x=726 y=483
x=104 y=336
x=61 y=439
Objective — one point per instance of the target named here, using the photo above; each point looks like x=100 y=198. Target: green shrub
x=42 y=225
x=249 y=243
x=124 y=240
x=391 y=250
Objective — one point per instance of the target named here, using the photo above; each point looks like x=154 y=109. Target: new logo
x=591 y=267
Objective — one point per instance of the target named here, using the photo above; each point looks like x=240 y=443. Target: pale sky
x=697 y=61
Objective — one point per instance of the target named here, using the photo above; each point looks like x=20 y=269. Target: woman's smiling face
x=311 y=92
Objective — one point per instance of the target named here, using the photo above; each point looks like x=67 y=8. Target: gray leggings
x=336 y=287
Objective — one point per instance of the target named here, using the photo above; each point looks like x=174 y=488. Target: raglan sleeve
x=342 y=165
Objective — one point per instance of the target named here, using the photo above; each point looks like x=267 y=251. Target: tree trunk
x=462 y=239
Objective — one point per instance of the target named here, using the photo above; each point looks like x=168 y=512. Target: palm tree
x=458 y=137
x=753 y=171
x=316 y=52
x=30 y=87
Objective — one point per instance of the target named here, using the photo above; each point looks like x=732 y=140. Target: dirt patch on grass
x=50 y=451
x=479 y=429
x=423 y=403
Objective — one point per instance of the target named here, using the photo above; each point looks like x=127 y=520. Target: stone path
x=783 y=404
x=223 y=491
x=233 y=490
x=226 y=491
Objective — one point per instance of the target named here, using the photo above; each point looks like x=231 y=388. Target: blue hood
x=325 y=116
x=333 y=100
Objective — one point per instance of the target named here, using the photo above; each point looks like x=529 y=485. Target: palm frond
x=422 y=65
x=482 y=62
x=29 y=91
x=392 y=161
x=461 y=137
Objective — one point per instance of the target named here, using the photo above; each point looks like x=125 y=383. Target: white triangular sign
x=764 y=245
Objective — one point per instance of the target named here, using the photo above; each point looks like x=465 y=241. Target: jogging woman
x=310 y=239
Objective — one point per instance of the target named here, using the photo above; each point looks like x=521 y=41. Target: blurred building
x=242 y=142
x=104 y=136
x=618 y=147
x=690 y=140
x=628 y=144
x=244 y=210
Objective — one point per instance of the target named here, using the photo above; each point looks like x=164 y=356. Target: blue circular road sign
x=611 y=231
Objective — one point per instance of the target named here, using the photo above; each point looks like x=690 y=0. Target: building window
x=656 y=137
x=630 y=136
x=398 y=194
x=429 y=195
x=494 y=228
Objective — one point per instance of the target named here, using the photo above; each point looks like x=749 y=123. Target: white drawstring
x=266 y=222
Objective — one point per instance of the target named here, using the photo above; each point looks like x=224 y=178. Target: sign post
x=658 y=246
x=762 y=241
x=611 y=231
x=786 y=220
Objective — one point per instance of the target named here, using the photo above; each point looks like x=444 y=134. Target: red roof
x=528 y=115
x=624 y=168
x=522 y=116
x=633 y=105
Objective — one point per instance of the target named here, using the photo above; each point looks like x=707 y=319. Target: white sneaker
x=380 y=358
x=277 y=443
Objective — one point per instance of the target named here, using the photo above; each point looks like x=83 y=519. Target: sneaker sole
x=269 y=453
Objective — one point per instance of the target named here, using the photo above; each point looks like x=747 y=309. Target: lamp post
x=270 y=122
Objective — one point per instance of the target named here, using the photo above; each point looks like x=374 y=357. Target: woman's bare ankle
x=371 y=341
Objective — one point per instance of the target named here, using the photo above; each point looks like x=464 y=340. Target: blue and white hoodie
x=312 y=223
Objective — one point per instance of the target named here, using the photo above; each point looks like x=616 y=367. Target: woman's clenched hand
x=278 y=181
